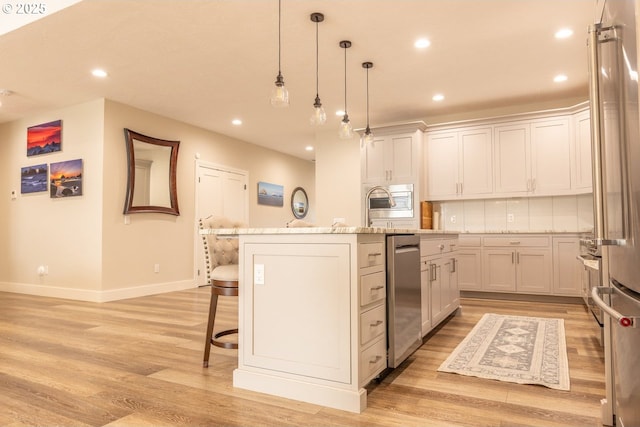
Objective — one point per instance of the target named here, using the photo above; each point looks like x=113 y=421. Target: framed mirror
x=299 y=202
x=151 y=177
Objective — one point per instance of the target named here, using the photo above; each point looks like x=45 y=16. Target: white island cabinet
x=312 y=312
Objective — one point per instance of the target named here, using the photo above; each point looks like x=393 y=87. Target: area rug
x=523 y=350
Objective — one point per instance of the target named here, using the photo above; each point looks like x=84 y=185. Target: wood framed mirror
x=151 y=177
x=299 y=203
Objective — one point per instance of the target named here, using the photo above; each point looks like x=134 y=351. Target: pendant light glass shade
x=319 y=117
x=346 y=131
x=367 y=137
x=279 y=94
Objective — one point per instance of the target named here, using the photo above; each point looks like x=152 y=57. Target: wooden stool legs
x=218 y=288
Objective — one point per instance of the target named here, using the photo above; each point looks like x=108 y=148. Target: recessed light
x=236 y=122
x=308 y=148
x=422 y=43
x=438 y=97
x=564 y=33
x=99 y=73
x=560 y=78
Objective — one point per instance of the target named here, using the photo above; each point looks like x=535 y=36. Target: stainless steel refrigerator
x=616 y=180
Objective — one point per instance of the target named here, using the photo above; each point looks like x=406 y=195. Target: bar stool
x=221 y=262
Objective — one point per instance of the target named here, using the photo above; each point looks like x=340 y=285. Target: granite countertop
x=321 y=230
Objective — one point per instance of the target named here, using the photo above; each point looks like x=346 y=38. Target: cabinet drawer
x=371 y=254
x=372 y=324
x=469 y=241
x=437 y=246
x=516 y=241
x=372 y=288
x=372 y=361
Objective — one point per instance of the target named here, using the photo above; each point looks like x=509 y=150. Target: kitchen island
x=312 y=312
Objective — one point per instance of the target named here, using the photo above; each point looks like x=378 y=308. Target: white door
x=442 y=165
x=219 y=191
x=550 y=156
x=511 y=159
x=476 y=172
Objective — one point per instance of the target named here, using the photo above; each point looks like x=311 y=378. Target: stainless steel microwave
x=380 y=207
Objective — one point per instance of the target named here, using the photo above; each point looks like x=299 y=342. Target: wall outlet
x=510 y=218
x=156 y=268
x=453 y=219
x=43 y=270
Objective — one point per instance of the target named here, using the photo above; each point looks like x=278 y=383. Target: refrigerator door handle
x=621 y=319
x=601 y=237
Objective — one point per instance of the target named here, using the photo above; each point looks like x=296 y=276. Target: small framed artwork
x=65 y=178
x=33 y=179
x=45 y=138
x=270 y=194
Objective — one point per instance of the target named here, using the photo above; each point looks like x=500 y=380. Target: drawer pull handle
x=377 y=288
x=375 y=254
x=376 y=323
x=514 y=242
x=375 y=359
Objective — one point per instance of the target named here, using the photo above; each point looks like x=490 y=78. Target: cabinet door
x=374 y=170
x=499 y=270
x=425 y=284
x=469 y=270
x=475 y=148
x=566 y=268
x=550 y=156
x=582 y=157
x=533 y=268
x=403 y=159
x=442 y=165
x=511 y=163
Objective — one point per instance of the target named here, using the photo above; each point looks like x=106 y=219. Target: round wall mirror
x=299 y=203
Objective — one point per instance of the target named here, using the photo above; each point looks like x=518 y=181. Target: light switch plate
x=258 y=274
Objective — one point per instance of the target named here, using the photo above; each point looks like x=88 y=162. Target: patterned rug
x=523 y=350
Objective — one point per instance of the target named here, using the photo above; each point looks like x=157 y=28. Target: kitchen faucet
x=392 y=203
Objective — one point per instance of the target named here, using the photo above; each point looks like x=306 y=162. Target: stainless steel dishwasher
x=404 y=318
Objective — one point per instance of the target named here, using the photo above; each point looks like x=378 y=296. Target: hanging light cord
x=367 y=98
x=279 y=44
x=345 y=81
x=317 y=91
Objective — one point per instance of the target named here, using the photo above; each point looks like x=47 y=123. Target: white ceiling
x=206 y=62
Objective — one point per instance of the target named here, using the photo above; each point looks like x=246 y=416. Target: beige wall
x=89 y=250
x=337 y=179
x=63 y=234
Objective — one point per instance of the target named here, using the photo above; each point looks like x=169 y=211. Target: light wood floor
x=138 y=362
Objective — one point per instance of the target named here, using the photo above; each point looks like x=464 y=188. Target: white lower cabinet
x=517 y=264
x=526 y=264
x=439 y=281
x=567 y=271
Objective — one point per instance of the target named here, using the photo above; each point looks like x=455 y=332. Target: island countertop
x=320 y=230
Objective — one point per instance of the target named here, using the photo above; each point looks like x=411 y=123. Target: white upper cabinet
x=512 y=163
x=392 y=158
x=458 y=164
x=550 y=157
x=582 y=156
x=442 y=165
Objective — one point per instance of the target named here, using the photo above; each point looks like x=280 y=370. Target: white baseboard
x=96 y=296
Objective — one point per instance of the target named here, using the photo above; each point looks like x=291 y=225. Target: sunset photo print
x=65 y=178
x=44 y=138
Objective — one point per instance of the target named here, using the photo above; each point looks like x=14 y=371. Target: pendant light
x=319 y=117
x=346 y=131
x=367 y=138
x=279 y=94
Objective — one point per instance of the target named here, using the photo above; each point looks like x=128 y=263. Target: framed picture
x=270 y=194
x=65 y=178
x=44 y=138
x=33 y=179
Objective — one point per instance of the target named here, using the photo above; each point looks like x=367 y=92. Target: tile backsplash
x=526 y=214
